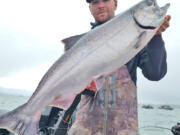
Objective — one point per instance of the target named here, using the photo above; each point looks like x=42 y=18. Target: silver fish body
x=100 y=51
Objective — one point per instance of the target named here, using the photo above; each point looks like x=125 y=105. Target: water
x=10 y=102
x=147 y=117
x=157 y=117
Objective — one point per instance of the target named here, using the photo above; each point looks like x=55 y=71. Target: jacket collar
x=93 y=25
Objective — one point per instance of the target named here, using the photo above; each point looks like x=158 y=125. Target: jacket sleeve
x=152 y=59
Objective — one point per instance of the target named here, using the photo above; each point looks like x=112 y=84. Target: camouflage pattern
x=113 y=111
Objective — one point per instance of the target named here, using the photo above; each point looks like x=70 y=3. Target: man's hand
x=164 y=26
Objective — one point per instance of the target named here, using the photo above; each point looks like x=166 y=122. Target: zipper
x=106 y=98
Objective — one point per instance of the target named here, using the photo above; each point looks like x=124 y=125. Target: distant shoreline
x=28 y=95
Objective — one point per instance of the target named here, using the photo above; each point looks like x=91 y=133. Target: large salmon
x=100 y=51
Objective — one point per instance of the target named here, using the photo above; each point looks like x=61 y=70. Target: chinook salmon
x=99 y=52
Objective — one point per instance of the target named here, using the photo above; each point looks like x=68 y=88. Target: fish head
x=147 y=14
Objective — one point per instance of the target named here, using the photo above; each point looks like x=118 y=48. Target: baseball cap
x=88 y=1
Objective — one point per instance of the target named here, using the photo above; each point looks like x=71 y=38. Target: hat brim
x=88 y=1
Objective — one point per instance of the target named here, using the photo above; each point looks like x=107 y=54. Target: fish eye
x=150 y=2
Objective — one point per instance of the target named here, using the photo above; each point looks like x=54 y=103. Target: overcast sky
x=30 y=34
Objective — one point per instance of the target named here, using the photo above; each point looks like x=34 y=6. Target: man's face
x=103 y=10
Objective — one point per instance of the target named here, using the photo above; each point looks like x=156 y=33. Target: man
x=176 y=129
x=113 y=109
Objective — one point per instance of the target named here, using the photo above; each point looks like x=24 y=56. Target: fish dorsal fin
x=70 y=41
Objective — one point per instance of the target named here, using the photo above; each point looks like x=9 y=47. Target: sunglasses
x=93 y=2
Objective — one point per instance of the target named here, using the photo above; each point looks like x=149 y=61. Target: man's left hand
x=164 y=26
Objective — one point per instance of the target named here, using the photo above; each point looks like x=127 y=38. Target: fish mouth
x=162 y=12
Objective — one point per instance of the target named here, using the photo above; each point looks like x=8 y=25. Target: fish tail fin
x=19 y=123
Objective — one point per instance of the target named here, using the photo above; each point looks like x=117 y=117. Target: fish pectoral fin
x=70 y=41
x=140 y=40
